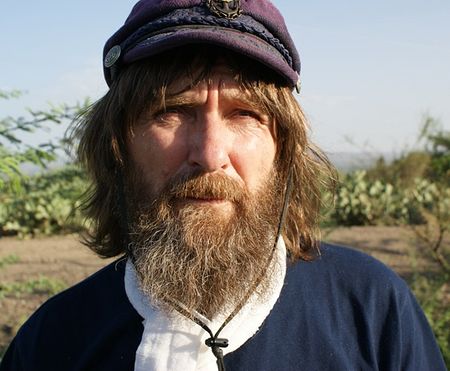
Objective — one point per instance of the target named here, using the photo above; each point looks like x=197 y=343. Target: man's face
x=204 y=196
x=211 y=128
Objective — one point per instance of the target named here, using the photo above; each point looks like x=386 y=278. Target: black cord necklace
x=214 y=342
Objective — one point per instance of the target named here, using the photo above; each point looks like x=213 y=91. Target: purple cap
x=254 y=28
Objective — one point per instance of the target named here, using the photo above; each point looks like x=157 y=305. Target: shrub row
x=361 y=201
x=45 y=204
x=48 y=203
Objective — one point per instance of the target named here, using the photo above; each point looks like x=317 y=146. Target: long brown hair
x=102 y=131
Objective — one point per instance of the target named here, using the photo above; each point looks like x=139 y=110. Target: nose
x=210 y=144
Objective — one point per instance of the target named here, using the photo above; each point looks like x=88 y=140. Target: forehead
x=197 y=63
x=148 y=85
x=220 y=77
x=184 y=67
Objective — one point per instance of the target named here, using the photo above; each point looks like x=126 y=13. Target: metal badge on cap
x=225 y=8
x=112 y=56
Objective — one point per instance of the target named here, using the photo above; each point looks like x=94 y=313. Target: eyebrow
x=189 y=98
x=182 y=99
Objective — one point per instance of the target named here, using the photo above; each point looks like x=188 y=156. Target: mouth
x=205 y=200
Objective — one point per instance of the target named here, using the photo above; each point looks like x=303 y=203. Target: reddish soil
x=64 y=259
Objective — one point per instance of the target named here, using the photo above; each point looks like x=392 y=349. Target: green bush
x=403 y=171
x=361 y=201
x=47 y=204
x=437 y=145
x=432 y=296
x=439 y=169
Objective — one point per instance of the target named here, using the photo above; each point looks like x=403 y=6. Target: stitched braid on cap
x=214 y=342
x=201 y=17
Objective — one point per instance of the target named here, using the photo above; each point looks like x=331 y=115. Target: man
x=204 y=182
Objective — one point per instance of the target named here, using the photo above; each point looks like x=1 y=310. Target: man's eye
x=168 y=111
x=169 y=114
x=251 y=117
x=248 y=113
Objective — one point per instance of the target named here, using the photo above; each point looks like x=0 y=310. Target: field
x=32 y=270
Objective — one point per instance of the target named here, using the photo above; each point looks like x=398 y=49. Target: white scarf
x=172 y=342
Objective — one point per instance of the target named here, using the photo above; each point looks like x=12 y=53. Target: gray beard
x=195 y=255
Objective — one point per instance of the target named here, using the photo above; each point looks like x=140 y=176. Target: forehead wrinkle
x=188 y=97
x=242 y=96
x=228 y=88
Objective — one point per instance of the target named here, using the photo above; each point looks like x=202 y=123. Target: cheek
x=254 y=159
x=159 y=155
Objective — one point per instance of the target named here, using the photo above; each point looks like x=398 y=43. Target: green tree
x=437 y=145
x=14 y=152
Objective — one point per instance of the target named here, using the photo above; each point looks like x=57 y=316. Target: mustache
x=198 y=184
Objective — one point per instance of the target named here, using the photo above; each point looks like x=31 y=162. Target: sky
x=370 y=72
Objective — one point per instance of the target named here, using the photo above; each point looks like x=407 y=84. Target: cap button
x=225 y=8
x=112 y=56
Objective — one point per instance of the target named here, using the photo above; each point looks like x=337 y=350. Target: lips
x=205 y=199
x=201 y=201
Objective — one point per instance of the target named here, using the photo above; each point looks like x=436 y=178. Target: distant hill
x=349 y=161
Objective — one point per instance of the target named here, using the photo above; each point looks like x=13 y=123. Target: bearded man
x=205 y=184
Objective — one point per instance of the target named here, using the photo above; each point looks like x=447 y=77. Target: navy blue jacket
x=343 y=311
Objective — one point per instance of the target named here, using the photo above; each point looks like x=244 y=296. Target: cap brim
x=240 y=42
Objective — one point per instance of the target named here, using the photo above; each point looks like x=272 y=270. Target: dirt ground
x=66 y=261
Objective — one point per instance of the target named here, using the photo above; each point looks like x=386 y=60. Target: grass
x=432 y=294
x=40 y=286
x=8 y=260
x=432 y=290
